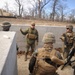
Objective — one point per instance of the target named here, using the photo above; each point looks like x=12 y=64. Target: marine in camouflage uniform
x=69 y=40
x=31 y=36
x=45 y=60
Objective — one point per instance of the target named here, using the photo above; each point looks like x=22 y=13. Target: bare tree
x=38 y=7
x=20 y=7
x=61 y=9
x=54 y=7
x=43 y=14
x=41 y=5
x=33 y=10
x=6 y=7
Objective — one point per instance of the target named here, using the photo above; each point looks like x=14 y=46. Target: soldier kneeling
x=45 y=60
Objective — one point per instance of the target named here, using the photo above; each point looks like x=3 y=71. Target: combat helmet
x=48 y=37
x=70 y=27
x=33 y=24
x=6 y=26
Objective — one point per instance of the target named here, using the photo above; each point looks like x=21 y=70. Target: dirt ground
x=22 y=64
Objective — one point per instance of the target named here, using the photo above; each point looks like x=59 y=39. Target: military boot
x=25 y=56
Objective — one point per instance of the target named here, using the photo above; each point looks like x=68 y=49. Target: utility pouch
x=31 y=36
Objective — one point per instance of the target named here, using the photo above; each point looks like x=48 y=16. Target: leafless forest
x=50 y=10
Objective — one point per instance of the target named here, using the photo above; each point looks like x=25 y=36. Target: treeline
x=54 y=10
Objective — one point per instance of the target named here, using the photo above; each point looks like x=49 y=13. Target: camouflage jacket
x=32 y=32
x=46 y=61
x=47 y=52
x=68 y=39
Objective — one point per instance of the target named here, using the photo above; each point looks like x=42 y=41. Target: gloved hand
x=62 y=38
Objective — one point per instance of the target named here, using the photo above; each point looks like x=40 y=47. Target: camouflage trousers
x=66 y=51
x=30 y=47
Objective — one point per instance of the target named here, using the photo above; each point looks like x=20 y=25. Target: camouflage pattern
x=42 y=67
x=70 y=27
x=69 y=38
x=33 y=24
x=48 y=37
x=30 y=33
x=28 y=46
x=47 y=58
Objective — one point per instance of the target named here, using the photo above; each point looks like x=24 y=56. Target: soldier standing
x=69 y=40
x=31 y=36
x=44 y=61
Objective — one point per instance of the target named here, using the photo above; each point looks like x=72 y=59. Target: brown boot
x=25 y=56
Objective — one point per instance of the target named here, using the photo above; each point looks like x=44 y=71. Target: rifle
x=70 y=55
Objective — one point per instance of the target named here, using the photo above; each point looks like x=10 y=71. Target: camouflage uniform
x=47 y=58
x=69 y=40
x=31 y=37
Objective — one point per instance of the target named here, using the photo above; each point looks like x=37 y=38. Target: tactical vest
x=42 y=66
x=69 y=38
x=31 y=34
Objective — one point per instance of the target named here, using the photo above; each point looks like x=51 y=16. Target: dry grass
x=38 y=22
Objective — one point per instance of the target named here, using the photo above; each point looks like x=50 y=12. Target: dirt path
x=22 y=65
